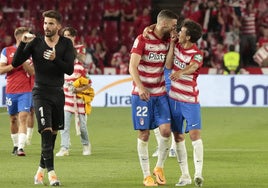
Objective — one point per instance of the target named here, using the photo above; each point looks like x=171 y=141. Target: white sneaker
x=38 y=178
x=183 y=181
x=53 y=180
x=198 y=180
x=155 y=154
x=62 y=152
x=86 y=150
x=172 y=153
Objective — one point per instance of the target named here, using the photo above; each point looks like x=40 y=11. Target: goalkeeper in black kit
x=53 y=56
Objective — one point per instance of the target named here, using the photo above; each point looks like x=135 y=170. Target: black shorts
x=49 y=107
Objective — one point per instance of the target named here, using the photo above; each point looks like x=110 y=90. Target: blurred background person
x=120 y=60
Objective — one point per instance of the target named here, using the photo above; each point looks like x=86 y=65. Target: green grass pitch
x=235 y=152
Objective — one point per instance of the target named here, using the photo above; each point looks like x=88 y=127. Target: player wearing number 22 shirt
x=150 y=107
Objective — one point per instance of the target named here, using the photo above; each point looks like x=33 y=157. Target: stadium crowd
x=105 y=26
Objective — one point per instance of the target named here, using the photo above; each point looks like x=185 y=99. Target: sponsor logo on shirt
x=179 y=64
x=155 y=56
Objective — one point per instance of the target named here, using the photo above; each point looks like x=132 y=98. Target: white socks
x=198 y=156
x=14 y=138
x=21 y=140
x=163 y=150
x=143 y=154
x=173 y=143
x=40 y=169
x=182 y=158
x=29 y=135
x=157 y=135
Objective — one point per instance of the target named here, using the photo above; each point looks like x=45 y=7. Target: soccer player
x=74 y=104
x=53 y=56
x=149 y=97
x=172 y=150
x=185 y=60
x=18 y=92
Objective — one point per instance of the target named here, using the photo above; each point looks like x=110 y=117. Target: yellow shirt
x=87 y=95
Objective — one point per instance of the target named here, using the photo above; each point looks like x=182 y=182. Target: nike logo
x=194 y=125
x=60 y=126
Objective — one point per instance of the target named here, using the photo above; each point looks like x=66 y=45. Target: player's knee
x=47 y=144
x=144 y=135
x=165 y=132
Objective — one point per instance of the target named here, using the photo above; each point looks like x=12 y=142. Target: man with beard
x=150 y=107
x=53 y=56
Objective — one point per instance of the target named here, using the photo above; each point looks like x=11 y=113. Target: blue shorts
x=188 y=112
x=148 y=115
x=19 y=102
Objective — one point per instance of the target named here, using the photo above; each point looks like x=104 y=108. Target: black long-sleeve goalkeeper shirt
x=47 y=73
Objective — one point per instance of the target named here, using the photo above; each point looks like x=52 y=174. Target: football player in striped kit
x=185 y=60
x=150 y=107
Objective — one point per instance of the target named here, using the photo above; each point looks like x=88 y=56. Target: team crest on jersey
x=141 y=121
x=198 y=57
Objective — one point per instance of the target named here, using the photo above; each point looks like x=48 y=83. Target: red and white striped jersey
x=248 y=23
x=18 y=80
x=70 y=96
x=185 y=89
x=151 y=67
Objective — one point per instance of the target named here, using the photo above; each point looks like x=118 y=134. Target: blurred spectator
x=7 y=41
x=211 y=23
x=111 y=10
x=262 y=22
x=194 y=10
x=261 y=56
x=25 y=19
x=232 y=37
x=99 y=56
x=248 y=35
x=263 y=40
x=217 y=57
x=128 y=10
x=90 y=64
x=93 y=38
x=204 y=45
x=142 y=21
x=231 y=61
x=120 y=60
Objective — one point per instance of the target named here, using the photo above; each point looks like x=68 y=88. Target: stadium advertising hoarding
x=215 y=90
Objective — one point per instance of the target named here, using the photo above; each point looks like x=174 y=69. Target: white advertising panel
x=215 y=90
x=239 y=90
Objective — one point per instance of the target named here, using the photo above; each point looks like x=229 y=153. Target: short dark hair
x=53 y=14
x=167 y=14
x=194 y=29
x=72 y=31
